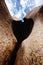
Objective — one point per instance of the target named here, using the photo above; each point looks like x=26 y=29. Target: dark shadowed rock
x=22 y=29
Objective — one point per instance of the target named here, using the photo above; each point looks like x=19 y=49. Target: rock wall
x=31 y=50
x=7 y=38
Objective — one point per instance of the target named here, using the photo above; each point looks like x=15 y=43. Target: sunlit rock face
x=7 y=38
x=31 y=50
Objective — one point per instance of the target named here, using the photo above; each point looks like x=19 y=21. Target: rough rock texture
x=7 y=38
x=31 y=50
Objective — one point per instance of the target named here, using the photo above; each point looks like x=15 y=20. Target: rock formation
x=21 y=43
x=11 y=35
x=7 y=38
x=31 y=49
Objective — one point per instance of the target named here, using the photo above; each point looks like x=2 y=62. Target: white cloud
x=18 y=15
x=38 y=2
x=20 y=12
x=24 y=3
x=10 y=6
x=27 y=3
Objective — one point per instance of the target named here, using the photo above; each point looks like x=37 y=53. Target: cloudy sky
x=20 y=8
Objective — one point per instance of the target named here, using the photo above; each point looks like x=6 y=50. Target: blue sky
x=20 y=8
